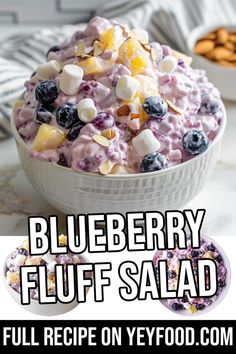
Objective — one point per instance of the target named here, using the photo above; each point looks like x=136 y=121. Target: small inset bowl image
x=186 y=311
x=34 y=306
x=85 y=193
x=221 y=76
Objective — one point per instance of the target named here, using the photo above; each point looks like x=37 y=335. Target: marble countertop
x=18 y=200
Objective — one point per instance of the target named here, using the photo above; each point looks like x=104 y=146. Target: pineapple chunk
x=132 y=54
x=192 y=309
x=112 y=38
x=13 y=277
x=95 y=65
x=62 y=239
x=48 y=137
x=148 y=87
x=26 y=245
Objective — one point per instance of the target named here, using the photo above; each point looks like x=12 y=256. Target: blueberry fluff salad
x=110 y=101
x=207 y=250
x=21 y=257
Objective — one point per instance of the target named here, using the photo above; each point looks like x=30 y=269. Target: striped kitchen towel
x=167 y=21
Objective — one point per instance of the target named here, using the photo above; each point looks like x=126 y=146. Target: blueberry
x=155 y=106
x=44 y=114
x=169 y=255
x=22 y=251
x=185 y=299
x=219 y=259
x=176 y=307
x=171 y=274
x=194 y=254
x=46 y=92
x=67 y=115
x=103 y=121
x=75 y=130
x=55 y=48
x=211 y=247
x=195 y=141
x=221 y=283
x=153 y=162
x=200 y=306
x=209 y=104
x=62 y=160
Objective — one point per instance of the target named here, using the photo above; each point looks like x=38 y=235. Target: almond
x=101 y=140
x=204 y=46
x=173 y=107
x=109 y=133
x=135 y=115
x=222 y=36
x=17 y=105
x=230 y=46
x=232 y=37
x=80 y=49
x=221 y=53
x=105 y=167
x=118 y=169
x=123 y=111
x=178 y=55
x=146 y=46
x=97 y=48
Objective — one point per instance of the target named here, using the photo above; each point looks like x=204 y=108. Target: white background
x=114 y=308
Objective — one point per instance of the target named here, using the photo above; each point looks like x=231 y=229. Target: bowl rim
x=221 y=296
x=33 y=301
x=131 y=176
x=197 y=33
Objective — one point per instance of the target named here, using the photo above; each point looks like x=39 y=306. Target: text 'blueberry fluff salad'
x=20 y=257
x=108 y=101
x=207 y=250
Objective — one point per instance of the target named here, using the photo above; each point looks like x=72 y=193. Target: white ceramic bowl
x=85 y=193
x=222 y=77
x=42 y=309
x=221 y=295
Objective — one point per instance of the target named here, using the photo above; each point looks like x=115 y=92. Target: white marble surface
x=18 y=200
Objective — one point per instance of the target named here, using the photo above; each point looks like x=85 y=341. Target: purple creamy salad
x=109 y=101
x=207 y=250
x=20 y=257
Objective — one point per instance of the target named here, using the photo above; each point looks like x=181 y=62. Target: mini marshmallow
x=48 y=257
x=145 y=143
x=19 y=260
x=86 y=110
x=168 y=64
x=71 y=78
x=127 y=87
x=140 y=34
x=49 y=70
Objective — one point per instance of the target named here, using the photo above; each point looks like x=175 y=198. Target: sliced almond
x=118 y=169
x=135 y=115
x=173 y=107
x=178 y=55
x=123 y=110
x=97 y=48
x=105 y=167
x=101 y=140
x=17 y=104
x=109 y=133
x=80 y=49
x=146 y=46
